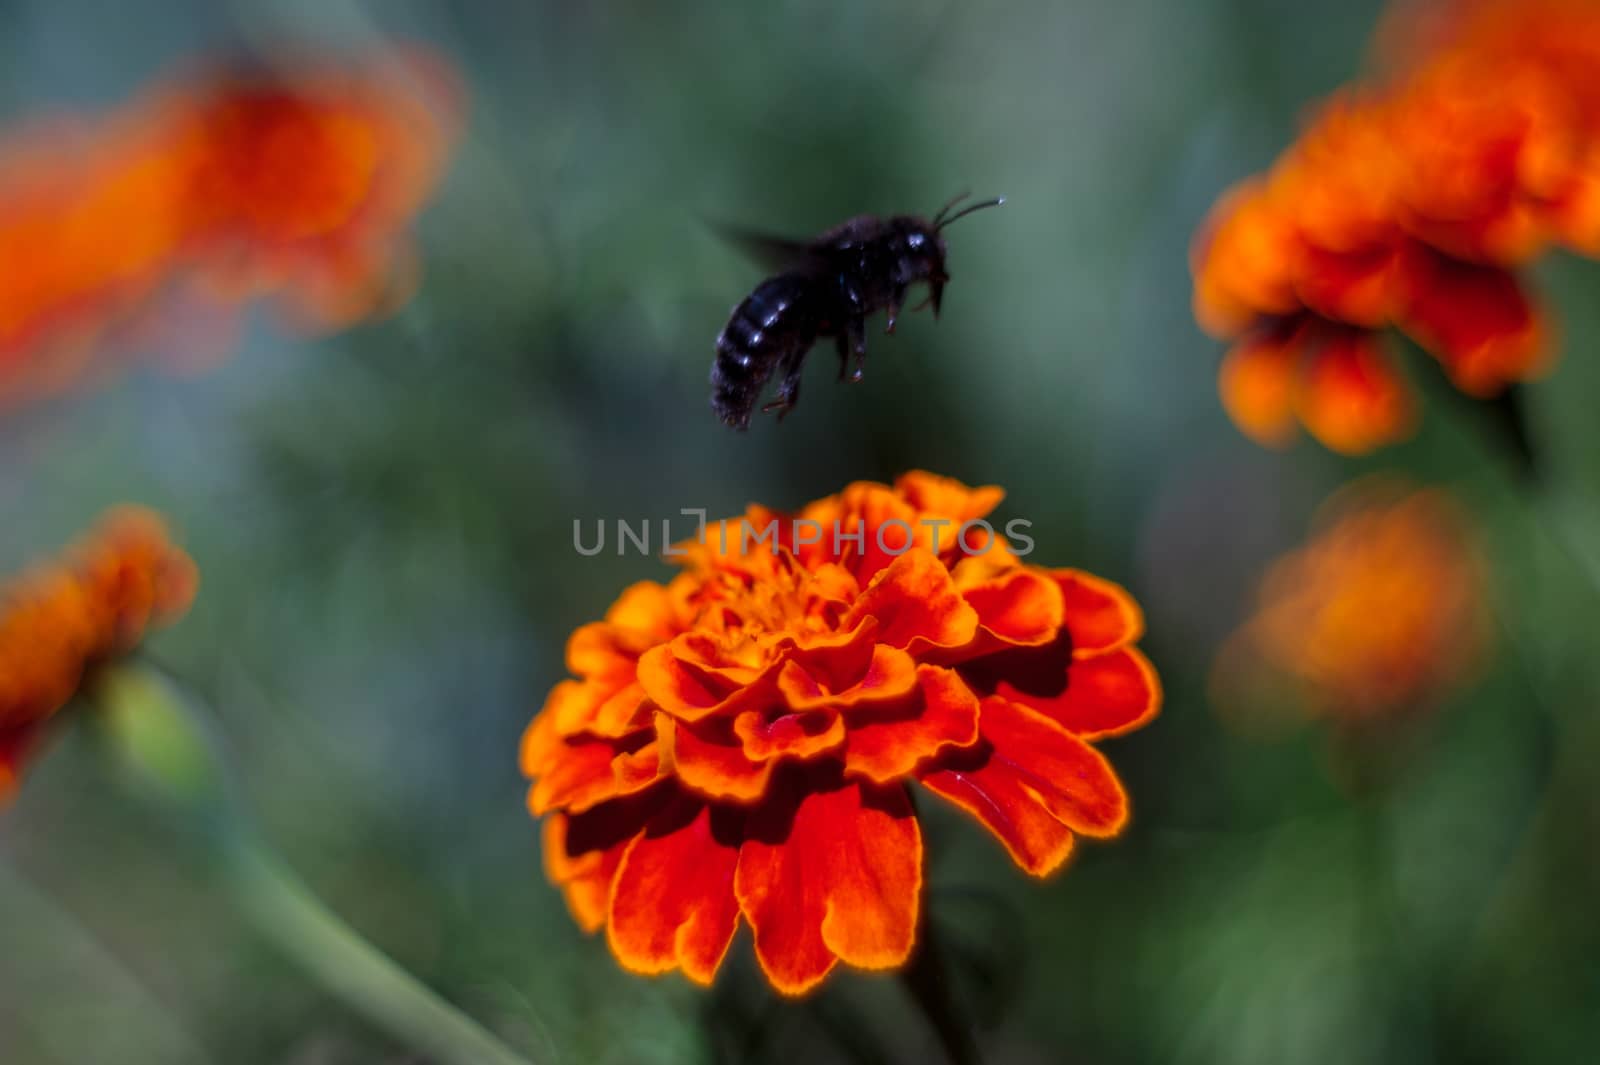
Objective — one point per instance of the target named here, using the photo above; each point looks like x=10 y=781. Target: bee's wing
x=779 y=254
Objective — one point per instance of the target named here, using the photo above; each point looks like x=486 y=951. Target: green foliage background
x=383 y=521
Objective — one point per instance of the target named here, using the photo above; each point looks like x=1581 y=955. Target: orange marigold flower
x=152 y=226
x=739 y=742
x=94 y=604
x=1411 y=203
x=1380 y=612
x=305 y=184
x=1336 y=380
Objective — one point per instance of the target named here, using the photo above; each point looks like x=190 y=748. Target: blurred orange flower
x=1411 y=203
x=157 y=223
x=93 y=604
x=1379 y=614
x=740 y=742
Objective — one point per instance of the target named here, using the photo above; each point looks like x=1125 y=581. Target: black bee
x=826 y=287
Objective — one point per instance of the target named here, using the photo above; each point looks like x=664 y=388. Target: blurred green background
x=383 y=522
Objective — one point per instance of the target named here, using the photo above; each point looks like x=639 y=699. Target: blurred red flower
x=1410 y=202
x=740 y=741
x=1379 y=613
x=93 y=604
x=152 y=227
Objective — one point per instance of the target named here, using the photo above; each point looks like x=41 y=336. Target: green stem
x=286 y=912
x=158 y=732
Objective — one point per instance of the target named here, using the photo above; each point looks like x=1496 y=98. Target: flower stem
x=286 y=912
x=157 y=731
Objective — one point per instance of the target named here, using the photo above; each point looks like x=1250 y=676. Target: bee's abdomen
x=768 y=326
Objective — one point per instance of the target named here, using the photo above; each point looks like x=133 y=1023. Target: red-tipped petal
x=885 y=744
x=1099 y=615
x=672 y=903
x=828 y=875
x=1351 y=397
x=1020 y=607
x=780 y=733
x=1026 y=774
x=1257 y=383
x=688 y=690
x=710 y=760
x=889 y=676
x=1104 y=695
x=916 y=604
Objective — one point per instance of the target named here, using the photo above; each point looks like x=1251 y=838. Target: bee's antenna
x=938 y=219
x=940 y=222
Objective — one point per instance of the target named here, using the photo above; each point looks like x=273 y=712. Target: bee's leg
x=788 y=388
x=896 y=301
x=853 y=342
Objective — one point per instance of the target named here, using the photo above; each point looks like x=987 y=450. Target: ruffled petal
x=709 y=760
x=917 y=605
x=1099 y=615
x=885 y=744
x=648 y=612
x=778 y=732
x=1477 y=320
x=835 y=660
x=948 y=497
x=599 y=650
x=672 y=903
x=591 y=772
x=830 y=872
x=1257 y=385
x=582 y=851
x=1103 y=695
x=1351 y=397
x=686 y=688
x=1019 y=607
x=889 y=676
x=1032 y=784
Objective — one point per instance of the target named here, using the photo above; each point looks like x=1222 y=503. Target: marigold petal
x=1351 y=397
x=836 y=660
x=1355 y=285
x=1103 y=695
x=571 y=708
x=648 y=611
x=624 y=713
x=885 y=745
x=585 y=881
x=1257 y=383
x=948 y=497
x=890 y=675
x=598 y=650
x=710 y=764
x=672 y=904
x=1036 y=840
x=1028 y=770
x=1021 y=607
x=830 y=872
x=1099 y=614
x=916 y=604
x=779 y=732
x=582 y=851
x=1477 y=320
x=692 y=692
x=591 y=772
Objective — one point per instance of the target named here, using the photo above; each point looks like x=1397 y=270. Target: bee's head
x=919 y=256
x=922 y=248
